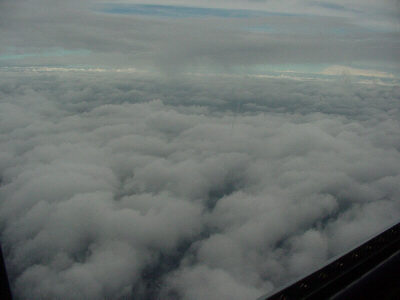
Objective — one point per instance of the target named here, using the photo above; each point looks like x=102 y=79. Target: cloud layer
x=118 y=186
x=55 y=33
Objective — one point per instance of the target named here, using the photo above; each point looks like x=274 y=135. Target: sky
x=190 y=150
x=219 y=36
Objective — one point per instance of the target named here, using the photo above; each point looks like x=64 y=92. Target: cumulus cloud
x=338 y=70
x=125 y=185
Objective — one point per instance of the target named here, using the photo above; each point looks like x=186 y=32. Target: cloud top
x=208 y=187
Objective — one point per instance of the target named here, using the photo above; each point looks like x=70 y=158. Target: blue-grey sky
x=176 y=36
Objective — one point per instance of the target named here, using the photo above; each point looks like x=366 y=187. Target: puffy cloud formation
x=117 y=186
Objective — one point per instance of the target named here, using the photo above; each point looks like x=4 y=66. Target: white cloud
x=224 y=187
x=343 y=70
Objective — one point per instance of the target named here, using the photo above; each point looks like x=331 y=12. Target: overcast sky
x=188 y=35
x=190 y=150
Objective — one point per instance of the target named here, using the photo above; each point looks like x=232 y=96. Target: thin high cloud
x=173 y=11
